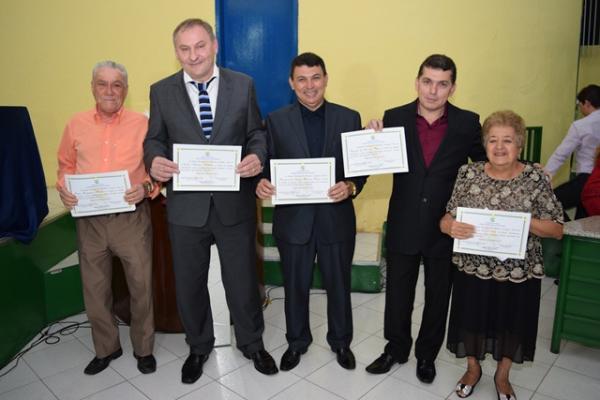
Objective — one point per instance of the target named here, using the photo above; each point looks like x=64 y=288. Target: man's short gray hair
x=190 y=23
x=110 y=64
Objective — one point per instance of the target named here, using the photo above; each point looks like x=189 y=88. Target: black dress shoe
x=192 y=367
x=263 y=362
x=146 y=364
x=100 y=364
x=290 y=359
x=345 y=358
x=383 y=364
x=425 y=371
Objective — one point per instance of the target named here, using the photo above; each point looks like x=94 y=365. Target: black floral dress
x=495 y=303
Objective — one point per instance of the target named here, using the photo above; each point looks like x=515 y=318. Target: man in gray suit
x=182 y=110
x=312 y=127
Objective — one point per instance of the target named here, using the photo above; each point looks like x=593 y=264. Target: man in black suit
x=439 y=139
x=310 y=128
x=179 y=105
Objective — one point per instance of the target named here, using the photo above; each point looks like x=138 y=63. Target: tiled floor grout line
x=545 y=375
x=571 y=362
x=39 y=378
x=203 y=386
x=319 y=386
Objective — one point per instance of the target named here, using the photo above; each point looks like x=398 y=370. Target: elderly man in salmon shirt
x=104 y=139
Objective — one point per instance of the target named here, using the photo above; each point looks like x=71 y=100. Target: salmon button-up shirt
x=91 y=145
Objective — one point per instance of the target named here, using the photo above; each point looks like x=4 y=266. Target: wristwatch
x=352 y=187
x=148 y=187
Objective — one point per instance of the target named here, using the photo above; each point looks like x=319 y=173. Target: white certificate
x=205 y=167
x=98 y=194
x=302 y=180
x=501 y=234
x=368 y=152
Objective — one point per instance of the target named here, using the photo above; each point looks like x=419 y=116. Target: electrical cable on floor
x=268 y=300
x=47 y=336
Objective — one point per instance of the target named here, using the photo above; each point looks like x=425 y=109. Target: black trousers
x=237 y=251
x=335 y=263
x=569 y=195
x=402 y=274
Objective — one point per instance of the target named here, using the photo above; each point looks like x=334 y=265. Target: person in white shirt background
x=582 y=138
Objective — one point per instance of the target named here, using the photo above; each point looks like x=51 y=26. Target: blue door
x=260 y=38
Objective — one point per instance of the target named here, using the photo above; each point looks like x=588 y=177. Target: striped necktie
x=206 y=117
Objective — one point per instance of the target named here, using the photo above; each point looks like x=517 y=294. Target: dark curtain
x=23 y=196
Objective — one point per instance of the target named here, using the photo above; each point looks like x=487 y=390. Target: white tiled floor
x=56 y=371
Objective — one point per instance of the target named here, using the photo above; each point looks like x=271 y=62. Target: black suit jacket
x=333 y=222
x=419 y=196
x=237 y=122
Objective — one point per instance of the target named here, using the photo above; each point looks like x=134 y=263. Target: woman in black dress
x=495 y=303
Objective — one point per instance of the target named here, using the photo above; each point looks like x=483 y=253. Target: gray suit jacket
x=237 y=122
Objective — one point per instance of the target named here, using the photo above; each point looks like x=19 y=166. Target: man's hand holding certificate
x=501 y=234
x=206 y=167
x=99 y=194
x=368 y=152
x=302 y=180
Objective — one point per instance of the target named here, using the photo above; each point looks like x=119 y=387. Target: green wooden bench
x=366 y=270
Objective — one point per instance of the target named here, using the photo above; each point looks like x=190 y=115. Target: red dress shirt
x=431 y=135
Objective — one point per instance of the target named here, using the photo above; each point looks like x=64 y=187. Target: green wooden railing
x=532 y=151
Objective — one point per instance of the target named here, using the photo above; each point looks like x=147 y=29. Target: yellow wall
x=510 y=54
x=589 y=66
x=49 y=49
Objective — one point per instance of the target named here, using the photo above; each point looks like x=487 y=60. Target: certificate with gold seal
x=205 y=167
x=501 y=234
x=368 y=152
x=302 y=180
x=98 y=194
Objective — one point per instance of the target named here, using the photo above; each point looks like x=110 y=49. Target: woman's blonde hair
x=505 y=118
